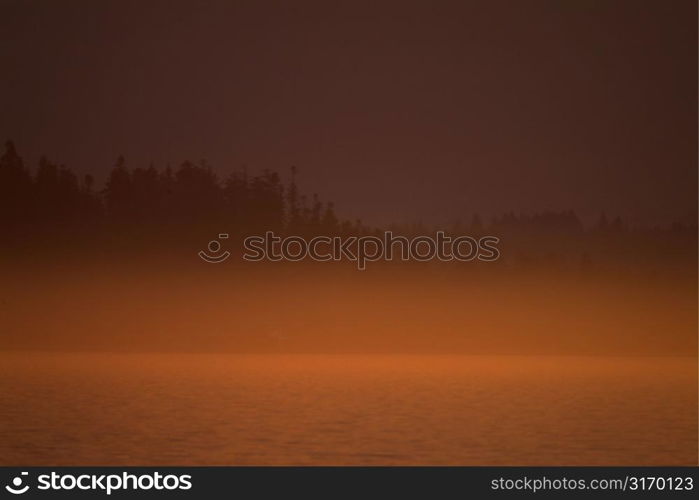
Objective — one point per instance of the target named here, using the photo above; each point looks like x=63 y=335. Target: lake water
x=67 y=409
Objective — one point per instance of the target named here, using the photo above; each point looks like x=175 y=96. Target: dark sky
x=397 y=112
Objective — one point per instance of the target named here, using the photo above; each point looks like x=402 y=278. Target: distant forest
x=187 y=206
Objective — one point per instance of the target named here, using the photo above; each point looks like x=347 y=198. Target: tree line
x=54 y=199
x=190 y=202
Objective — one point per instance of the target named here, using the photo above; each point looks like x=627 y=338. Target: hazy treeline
x=608 y=288
x=54 y=201
x=190 y=204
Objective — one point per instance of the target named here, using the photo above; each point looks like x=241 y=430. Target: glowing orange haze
x=420 y=392
x=335 y=308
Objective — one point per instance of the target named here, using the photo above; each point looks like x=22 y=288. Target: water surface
x=147 y=409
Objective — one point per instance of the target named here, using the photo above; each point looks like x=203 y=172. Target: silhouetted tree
x=15 y=191
x=118 y=194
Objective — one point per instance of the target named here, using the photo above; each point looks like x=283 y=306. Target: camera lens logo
x=215 y=247
x=16 y=487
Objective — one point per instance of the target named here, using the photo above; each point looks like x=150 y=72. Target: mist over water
x=445 y=308
x=177 y=363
